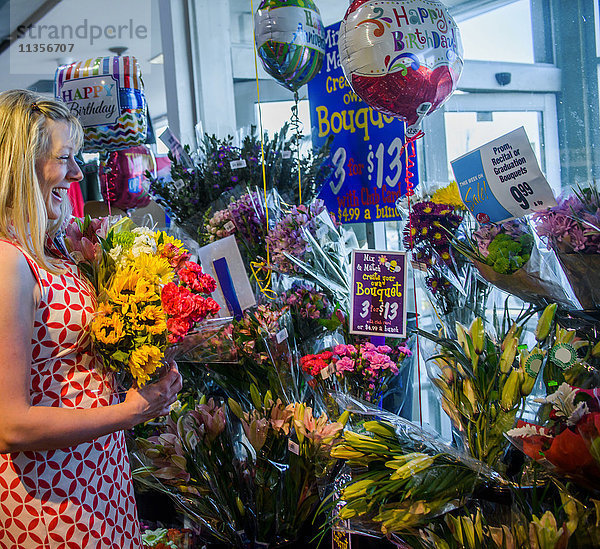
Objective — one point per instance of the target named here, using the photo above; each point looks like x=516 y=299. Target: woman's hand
x=155 y=399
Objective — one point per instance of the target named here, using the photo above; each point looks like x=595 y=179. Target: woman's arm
x=24 y=427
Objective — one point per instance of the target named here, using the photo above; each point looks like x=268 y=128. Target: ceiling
x=35 y=69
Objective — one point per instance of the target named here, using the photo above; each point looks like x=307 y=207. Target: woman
x=64 y=473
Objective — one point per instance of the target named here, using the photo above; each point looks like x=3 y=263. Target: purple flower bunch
x=428 y=231
x=288 y=235
x=244 y=217
x=574 y=224
x=428 y=235
x=307 y=302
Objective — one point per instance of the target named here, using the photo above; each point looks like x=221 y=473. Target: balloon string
x=109 y=195
x=264 y=284
x=411 y=153
x=297 y=127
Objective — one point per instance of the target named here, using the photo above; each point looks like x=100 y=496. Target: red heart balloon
x=402 y=57
x=401 y=95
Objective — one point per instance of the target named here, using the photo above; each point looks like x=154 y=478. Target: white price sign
x=502 y=179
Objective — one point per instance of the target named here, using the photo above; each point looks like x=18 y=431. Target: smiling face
x=57 y=169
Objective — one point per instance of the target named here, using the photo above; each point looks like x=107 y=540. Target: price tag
x=282 y=335
x=286 y=154
x=229 y=226
x=326 y=373
x=502 y=179
x=238 y=164
x=293 y=447
x=419 y=266
x=340 y=539
x=176 y=148
x=178 y=184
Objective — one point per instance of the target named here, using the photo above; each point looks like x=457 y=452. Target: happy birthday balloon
x=402 y=57
x=290 y=40
x=122 y=180
x=107 y=95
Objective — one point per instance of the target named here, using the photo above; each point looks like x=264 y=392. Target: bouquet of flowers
x=454 y=291
x=149 y=294
x=245 y=475
x=244 y=217
x=288 y=236
x=401 y=478
x=572 y=230
x=313 y=315
x=507 y=256
x=483 y=381
x=362 y=371
x=568 y=442
x=163 y=538
x=220 y=166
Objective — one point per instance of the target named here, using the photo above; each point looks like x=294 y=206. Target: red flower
x=192 y=276
x=569 y=453
x=178 y=328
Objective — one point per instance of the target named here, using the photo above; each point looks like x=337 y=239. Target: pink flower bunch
x=574 y=224
x=363 y=370
x=308 y=302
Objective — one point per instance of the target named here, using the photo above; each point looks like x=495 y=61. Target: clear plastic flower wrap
x=483 y=378
x=507 y=256
x=572 y=230
x=401 y=477
x=567 y=442
x=368 y=372
x=449 y=281
x=326 y=257
x=246 y=474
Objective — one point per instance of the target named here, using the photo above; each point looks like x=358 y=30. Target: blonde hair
x=24 y=139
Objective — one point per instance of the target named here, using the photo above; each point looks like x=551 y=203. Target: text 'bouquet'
x=149 y=294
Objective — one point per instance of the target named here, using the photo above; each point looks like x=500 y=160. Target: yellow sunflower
x=168 y=239
x=155 y=268
x=130 y=286
x=143 y=362
x=151 y=319
x=108 y=329
x=449 y=195
x=106 y=308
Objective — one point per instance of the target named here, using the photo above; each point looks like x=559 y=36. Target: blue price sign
x=367 y=149
x=502 y=179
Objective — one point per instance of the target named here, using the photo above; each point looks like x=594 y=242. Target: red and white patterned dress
x=82 y=496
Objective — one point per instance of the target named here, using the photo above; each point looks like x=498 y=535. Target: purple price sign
x=378 y=284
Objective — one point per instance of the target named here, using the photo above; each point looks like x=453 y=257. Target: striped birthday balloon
x=107 y=95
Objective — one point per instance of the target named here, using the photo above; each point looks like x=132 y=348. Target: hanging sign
x=502 y=179
x=367 y=154
x=378 y=306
